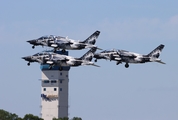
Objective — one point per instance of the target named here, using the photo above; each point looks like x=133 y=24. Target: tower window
x=46 y=81
x=44 y=89
x=66 y=75
x=60 y=81
x=60 y=73
x=53 y=81
x=60 y=89
x=55 y=89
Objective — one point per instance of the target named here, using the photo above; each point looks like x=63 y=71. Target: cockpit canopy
x=50 y=37
x=41 y=53
x=43 y=37
x=108 y=51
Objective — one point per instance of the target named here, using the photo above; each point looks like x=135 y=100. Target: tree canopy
x=4 y=115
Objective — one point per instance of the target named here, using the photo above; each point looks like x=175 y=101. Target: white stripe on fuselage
x=129 y=59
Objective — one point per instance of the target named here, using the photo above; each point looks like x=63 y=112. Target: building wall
x=54 y=94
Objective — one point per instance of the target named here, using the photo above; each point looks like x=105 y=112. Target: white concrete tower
x=54 y=92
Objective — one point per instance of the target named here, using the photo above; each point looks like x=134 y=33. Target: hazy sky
x=141 y=92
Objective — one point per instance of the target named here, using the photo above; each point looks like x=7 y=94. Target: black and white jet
x=64 y=43
x=130 y=57
x=64 y=60
x=54 y=59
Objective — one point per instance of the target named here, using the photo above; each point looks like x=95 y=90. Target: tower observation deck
x=54 y=91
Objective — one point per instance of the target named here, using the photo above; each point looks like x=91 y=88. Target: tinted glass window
x=46 y=81
x=53 y=81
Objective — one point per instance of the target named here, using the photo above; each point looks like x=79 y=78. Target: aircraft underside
x=130 y=61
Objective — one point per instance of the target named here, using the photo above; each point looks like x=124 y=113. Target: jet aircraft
x=131 y=57
x=64 y=60
x=54 y=59
x=58 y=42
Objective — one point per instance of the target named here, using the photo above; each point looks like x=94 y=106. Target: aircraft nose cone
x=26 y=58
x=31 y=41
x=23 y=57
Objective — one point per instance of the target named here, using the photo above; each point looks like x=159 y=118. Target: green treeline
x=4 y=115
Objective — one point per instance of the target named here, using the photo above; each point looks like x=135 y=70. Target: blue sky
x=141 y=92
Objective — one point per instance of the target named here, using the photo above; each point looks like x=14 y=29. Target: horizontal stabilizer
x=95 y=65
x=161 y=62
x=157 y=60
x=99 y=48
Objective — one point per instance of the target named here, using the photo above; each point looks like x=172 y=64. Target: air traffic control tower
x=54 y=91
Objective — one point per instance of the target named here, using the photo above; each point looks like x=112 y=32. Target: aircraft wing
x=95 y=65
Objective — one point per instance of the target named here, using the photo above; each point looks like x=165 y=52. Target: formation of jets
x=64 y=43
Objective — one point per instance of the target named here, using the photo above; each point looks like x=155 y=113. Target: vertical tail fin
x=156 y=52
x=92 y=38
x=89 y=55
